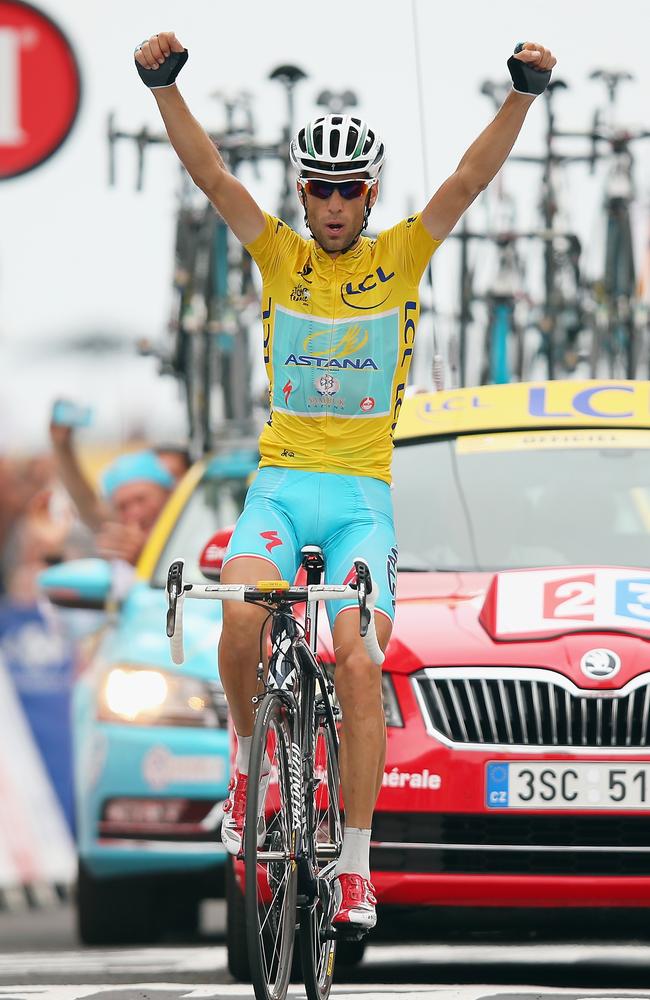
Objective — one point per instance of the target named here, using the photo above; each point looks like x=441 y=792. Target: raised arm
x=530 y=69
x=195 y=149
x=92 y=509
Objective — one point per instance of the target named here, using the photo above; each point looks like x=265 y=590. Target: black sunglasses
x=325 y=189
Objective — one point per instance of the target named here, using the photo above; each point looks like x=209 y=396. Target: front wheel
x=271 y=839
x=323 y=839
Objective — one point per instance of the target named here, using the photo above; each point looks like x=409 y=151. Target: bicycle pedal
x=341 y=933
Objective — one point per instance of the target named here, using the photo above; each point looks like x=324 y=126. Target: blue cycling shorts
x=347 y=516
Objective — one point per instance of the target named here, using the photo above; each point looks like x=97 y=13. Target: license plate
x=554 y=785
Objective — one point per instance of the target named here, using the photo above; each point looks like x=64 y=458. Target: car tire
x=236 y=947
x=114 y=911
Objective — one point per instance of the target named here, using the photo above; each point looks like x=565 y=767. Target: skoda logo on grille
x=600 y=664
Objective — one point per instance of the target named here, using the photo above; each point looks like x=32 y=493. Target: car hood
x=140 y=633
x=452 y=619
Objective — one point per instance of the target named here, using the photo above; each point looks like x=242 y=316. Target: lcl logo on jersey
x=600 y=664
x=361 y=296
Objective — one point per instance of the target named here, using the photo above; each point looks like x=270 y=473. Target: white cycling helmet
x=339 y=146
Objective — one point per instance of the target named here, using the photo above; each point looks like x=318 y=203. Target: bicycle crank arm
x=308 y=883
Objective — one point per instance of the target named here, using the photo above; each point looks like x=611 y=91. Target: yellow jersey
x=338 y=344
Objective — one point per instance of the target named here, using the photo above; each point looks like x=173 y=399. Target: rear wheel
x=271 y=874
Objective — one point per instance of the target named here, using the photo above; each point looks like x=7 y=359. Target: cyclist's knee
x=241 y=624
x=356 y=677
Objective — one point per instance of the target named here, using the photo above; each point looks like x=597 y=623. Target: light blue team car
x=151 y=744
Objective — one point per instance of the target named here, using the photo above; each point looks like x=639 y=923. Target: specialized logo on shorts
x=391 y=572
x=367 y=404
x=351 y=577
x=273 y=539
x=327 y=385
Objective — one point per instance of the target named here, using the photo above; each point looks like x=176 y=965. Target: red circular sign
x=39 y=87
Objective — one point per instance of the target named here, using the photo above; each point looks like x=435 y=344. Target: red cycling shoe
x=353 y=902
x=234 y=813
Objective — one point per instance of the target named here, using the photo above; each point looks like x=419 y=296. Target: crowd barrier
x=37 y=853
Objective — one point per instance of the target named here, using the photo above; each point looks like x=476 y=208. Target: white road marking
x=115 y=961
x=184 y=991
x=207 y=958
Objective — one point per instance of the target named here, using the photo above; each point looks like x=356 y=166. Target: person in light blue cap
x=136 y=486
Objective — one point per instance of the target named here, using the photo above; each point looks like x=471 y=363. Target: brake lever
x=174 y=591
x=364 y=586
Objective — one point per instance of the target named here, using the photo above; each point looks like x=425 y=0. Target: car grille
x=530 y=707
x=453 y=843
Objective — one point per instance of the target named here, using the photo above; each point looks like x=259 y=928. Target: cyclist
x=339 y=315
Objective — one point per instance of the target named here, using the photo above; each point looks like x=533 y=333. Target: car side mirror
x=214 y=552
x=80 y=583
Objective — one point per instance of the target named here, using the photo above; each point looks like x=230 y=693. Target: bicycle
x=293 y=837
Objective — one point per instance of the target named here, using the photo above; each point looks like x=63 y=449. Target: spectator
x=137 y=487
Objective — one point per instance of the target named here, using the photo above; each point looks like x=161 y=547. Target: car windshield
x=214 y=504
x=518 y=499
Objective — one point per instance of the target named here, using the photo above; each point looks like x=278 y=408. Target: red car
x=516 y=683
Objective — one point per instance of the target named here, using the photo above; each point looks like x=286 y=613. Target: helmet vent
x=350 y=146
x=335 y=140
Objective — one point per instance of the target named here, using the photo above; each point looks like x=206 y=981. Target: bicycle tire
x=271 y=884
x=323 y=836
x=619 y=285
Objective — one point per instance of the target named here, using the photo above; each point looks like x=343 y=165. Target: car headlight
x=391 y=705
x=144 y=696
x=392 y=713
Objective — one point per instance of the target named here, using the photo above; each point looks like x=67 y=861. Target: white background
x=77 y=256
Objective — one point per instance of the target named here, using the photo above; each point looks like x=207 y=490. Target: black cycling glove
x=525 y=79
x=165 y=75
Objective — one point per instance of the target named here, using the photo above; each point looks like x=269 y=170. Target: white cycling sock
x=243 y=757
x=355 y=853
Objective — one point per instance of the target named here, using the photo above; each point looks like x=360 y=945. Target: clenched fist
x=159 y=59
x=530 y=68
